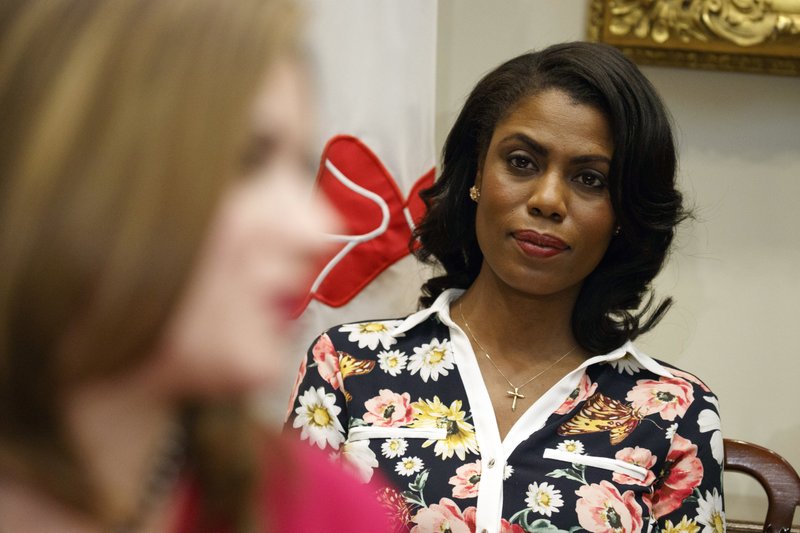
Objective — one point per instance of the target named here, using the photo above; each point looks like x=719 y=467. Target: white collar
x=441 y=307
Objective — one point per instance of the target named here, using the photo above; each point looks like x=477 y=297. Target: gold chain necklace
x=515 y=394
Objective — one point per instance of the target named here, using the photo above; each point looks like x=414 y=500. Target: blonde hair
x=122 y=122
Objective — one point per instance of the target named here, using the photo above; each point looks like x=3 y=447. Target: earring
x=474 y=193
x=618 y=230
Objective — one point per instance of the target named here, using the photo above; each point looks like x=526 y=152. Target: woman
x=516 y=400
x=154 y=225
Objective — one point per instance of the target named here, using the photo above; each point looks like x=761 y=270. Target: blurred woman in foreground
x=154 y=223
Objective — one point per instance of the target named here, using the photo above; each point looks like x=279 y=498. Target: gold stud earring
x=474 y=193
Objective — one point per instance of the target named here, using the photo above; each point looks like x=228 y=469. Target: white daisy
x=627 y=364
x=408 y=466
x=369 y=334
x=507 y=471
x=671 y=431
x=543 y=498
x=392 y=362
x=710 y=513
x=359 y=459
x=571 y=446
x=432 y=360
x=317 y=418
x=392 y=448
x=709 y=421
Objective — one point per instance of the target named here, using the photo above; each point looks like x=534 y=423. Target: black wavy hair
x=648 y=207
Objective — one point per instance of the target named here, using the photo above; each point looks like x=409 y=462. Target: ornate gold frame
x=744 y=35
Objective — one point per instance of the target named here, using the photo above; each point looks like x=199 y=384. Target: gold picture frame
x=761 y=36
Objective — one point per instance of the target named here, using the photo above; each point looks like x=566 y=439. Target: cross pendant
x=514 y=394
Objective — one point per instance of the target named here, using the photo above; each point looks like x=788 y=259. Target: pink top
x=314 y=496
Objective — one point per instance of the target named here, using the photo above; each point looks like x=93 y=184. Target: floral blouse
x=622 y=443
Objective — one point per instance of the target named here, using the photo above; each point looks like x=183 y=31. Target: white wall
x=734 y=272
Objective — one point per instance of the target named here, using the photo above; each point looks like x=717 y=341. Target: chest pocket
x=376 y=432
x=606 y=463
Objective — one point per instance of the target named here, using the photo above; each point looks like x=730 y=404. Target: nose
x=548 y=196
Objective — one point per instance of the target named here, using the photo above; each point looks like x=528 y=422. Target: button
x=490 y=464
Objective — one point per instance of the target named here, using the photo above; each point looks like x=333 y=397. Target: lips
x=537 y=244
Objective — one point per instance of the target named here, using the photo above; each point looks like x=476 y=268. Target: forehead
x=554 y=117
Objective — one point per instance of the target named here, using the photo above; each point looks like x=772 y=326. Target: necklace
x=165 y=470
x=515 y=394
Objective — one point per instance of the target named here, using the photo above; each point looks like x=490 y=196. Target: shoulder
x=318 y=495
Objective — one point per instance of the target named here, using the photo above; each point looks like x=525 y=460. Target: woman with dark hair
x=516 y=399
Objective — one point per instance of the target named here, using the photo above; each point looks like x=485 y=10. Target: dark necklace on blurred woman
x=514 y=394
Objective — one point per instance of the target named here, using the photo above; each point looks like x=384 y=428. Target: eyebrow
x=541 y=150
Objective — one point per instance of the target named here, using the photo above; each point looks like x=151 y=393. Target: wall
x=734 y=272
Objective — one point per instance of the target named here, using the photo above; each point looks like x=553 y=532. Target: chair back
x=774 y=473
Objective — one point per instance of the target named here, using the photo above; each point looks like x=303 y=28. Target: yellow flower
x=684 y=526
x=460 y=433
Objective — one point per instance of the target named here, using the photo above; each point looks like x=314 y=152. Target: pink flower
x=689 y=377
x=465 y=482
x=681 y=473
x=442 y=516
x=639 y=457
x=300 y=375
x=470 y=514
x=584 y=389
x=669 y=397
x=327 y=361
x=602 y=509
x=389 y=409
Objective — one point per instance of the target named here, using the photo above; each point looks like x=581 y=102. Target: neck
x=119 y=428
x=508 y=323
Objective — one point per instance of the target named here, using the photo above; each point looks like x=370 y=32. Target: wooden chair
x=774 y=473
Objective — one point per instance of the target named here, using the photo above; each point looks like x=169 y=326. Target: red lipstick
x=535 y=244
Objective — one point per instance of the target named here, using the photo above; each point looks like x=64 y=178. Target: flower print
x=710 y=513
x=669 y=397
x=327 y=361
x=392 y=362
x=571 y=446
x=395 y=505
x=689 y=377
x=684 y=526
x=442 y=516
x=602 y=509
x=508 y=471
x=681 y=473
x=389 y=409
x=584 y=389
x=393 y=448
x=670 y=433
x=408 y=466
x=543 y=498
x=296 y=389
x=465 y=482
x=432 y=360
x=359 y=459
x=369 y=334
x=708 y=420
x=471 y=518
x=639 y=457
x=316 y=416
x=460 y=436
x=627 y=364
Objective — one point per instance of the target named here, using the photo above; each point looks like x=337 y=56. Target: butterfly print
x=601 y=413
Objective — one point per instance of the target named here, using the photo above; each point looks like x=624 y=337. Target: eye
x=591 y=180
x=521 y=161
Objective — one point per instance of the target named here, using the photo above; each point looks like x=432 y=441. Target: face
x=544 y=218
x=231 y=332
